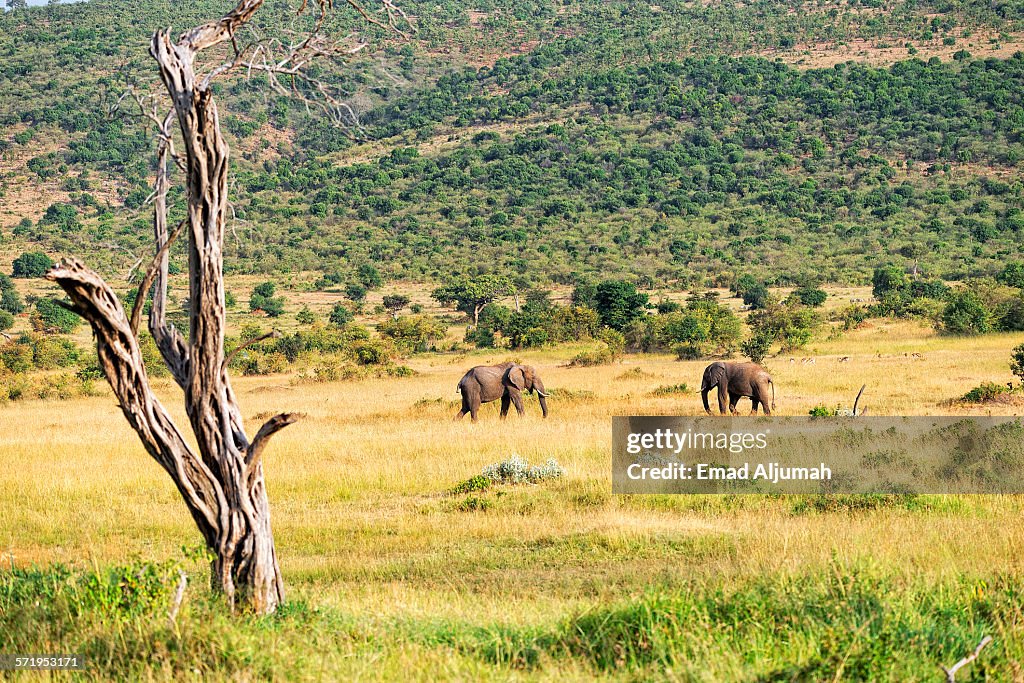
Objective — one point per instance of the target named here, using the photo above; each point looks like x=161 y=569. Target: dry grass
x=362 y=521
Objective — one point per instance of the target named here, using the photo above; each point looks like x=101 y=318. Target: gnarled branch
x=271 y=427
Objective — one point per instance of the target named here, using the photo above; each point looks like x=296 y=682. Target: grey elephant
x=507 y=381
x=736 y=380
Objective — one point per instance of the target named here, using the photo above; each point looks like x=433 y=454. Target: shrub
x=966 y=313
x=414 y=333
x=791 y=325
x=516 y=470
x=986 y=391
x=369 y=277
x=1012 y=275
x=10 y=300
x=355 y=291
x=395 y=302
x=371 y=352
x=31 y=264
x=1017 y=362
x=305 y=316
x=474 y=484
x=263 y=299
x=888 y=279
x=822 y=411
x=670 y=390
x=810 y=296
x=618 y=303
x=51 y=317
x=757 y=296
x=340 y=315
x=6 y=320
x=756 y=347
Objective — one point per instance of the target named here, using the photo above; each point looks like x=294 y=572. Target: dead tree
x=222 y=480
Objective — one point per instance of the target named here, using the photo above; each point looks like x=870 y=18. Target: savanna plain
x=396 y=572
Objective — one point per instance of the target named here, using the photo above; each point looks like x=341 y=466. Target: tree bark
x=222 y=484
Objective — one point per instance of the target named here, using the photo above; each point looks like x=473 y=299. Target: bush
x=305 y=316
x=888 y=279
x=516 y=470
x=670 y=390
x=966 y=313
x=757 y=296
x=1012 y=275
x=618 y=303
x=1017 y=362
x=340 y=315
x=263 y=299
x=10 y=300
x=791 y=325
x=51 y=317
x=415 y=333
x=986 y=391
x=6 y=320
x=823 y=411
x=371 y=352
x=31 y=264
x=757 y=346
x=810 y=296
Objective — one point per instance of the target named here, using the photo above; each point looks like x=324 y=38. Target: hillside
x=682 y=143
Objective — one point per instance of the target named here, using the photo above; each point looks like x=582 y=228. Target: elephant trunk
x=542 y=396
x=704 y=397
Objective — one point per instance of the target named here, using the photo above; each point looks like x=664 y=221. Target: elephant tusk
x=541 y=393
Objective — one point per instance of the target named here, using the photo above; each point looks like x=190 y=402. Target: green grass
x=847 y=621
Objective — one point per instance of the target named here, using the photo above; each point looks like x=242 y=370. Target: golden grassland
x=364 y=524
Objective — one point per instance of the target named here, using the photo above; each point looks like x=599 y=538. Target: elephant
x=486 y=383
x=737 y=380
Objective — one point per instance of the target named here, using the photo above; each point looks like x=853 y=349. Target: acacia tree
x=221 y=481
x=471 y=294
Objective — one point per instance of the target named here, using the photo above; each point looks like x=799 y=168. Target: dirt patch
x=882 y=52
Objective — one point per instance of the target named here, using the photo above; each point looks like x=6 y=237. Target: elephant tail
x=773 y=392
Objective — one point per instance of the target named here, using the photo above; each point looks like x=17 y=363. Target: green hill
x=677 y=142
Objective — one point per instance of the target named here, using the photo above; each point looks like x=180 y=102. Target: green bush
x=305 y=316
x=1017 y=362
x=986 y=391
x=810 y=296
x=618 y=303
x=6 y=320
x=53 y=318
x=263 y=299
x=414 y=333
x=340 y=315
x=31 y=264
x=823 y=411
x=966 y=313
x=757 y=346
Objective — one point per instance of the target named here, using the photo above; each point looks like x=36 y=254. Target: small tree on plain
x=395 y=303
x=471 y=294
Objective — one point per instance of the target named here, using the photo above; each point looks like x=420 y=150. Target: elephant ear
x=515 y=377
x=718 y=373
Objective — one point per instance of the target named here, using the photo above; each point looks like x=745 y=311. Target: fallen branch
x=951 y=671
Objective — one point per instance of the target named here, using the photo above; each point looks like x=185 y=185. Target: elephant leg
x=753 y=405
x=505 y=401
x=722 y=396
x=517 y=401
x=733 y=400
x=766 y=406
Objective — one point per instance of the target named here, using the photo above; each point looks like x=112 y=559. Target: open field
x=395 y=578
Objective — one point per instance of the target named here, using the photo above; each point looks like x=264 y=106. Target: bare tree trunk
x=223 y=484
